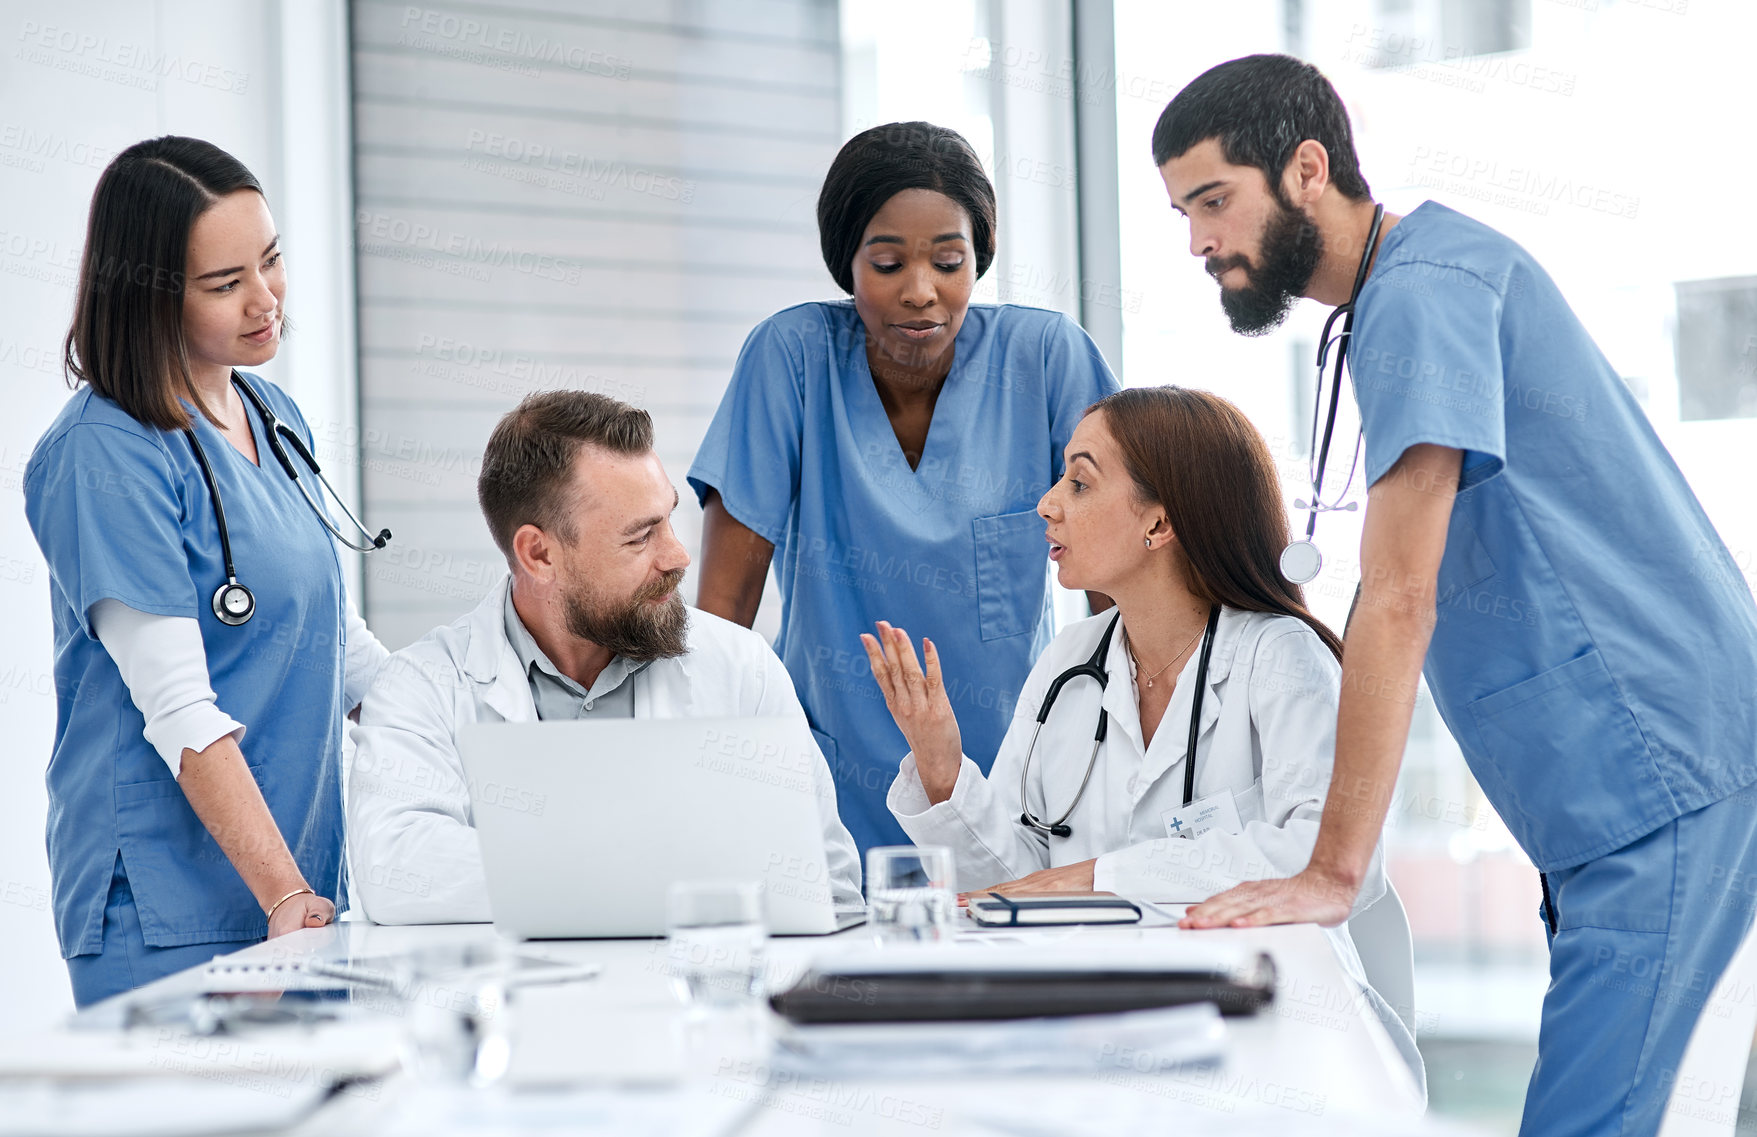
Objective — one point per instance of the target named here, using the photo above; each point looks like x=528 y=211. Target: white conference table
x=618 y=1053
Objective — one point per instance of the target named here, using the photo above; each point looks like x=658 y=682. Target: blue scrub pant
x=1638 y=940
x=125 y=961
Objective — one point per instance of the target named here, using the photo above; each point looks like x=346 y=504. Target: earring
x=1149 y=542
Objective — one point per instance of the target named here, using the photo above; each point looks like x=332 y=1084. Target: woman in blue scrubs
x=887 y=453
x=194 y=788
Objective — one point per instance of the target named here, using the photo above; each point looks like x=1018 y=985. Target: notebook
x=997 y=910
x=231 y=974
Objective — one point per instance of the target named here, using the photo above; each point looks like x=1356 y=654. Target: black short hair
x=876 y=165
x=1261 y=108
x=127 y=334
x=529 y=458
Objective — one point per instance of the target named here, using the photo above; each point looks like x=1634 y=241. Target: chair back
x=1387 y=954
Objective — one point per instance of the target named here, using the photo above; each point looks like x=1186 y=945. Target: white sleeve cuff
x=364 y=656
x=194 y=727
x=1104 y=873
x=908 y=798
x=163 y=663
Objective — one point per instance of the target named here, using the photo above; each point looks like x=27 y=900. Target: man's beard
x=634 y=629
x=1292 y=248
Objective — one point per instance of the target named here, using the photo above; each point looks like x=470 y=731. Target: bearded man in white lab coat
x=587 y=624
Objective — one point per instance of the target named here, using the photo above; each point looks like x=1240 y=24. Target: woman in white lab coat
x=1169 y=504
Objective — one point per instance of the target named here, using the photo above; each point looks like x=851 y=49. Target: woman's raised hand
x=917 y=700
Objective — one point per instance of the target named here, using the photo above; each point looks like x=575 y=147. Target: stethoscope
x=1094 y=669
x=1300 y=560
x=232 y=602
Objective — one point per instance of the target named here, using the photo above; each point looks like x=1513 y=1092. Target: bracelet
x=287 y=897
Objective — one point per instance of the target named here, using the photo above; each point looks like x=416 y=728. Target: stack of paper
x=1157 y=1040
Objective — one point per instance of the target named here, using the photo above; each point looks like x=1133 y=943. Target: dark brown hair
x=1261 y=108
x=876 y=165
x=530 y=456
x=127 y=334
x=1199 y=458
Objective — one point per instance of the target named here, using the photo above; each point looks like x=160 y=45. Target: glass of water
x=715 y=942
x=454 y=1002
x=909 y=893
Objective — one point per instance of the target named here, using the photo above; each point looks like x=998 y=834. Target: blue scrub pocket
x=185 y=889
x=1561 y=751
x=1011 y=572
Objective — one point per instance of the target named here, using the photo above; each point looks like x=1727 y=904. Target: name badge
x=1216 y=811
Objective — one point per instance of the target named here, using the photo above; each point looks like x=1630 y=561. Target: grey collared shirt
x=560 y=699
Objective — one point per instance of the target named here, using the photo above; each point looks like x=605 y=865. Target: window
x=1528 y=115
x=1717 y=349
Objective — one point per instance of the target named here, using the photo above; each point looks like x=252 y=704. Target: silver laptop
x=585 y=825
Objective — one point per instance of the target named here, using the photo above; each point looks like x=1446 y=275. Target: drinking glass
x=715 y=941
x=454 y=1004
x=909 y=894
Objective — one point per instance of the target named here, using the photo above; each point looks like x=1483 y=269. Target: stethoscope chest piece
x=233 y=603
x=1300 y=562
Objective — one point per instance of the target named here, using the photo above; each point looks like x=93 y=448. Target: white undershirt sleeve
x=164 y=665
x=364 y=657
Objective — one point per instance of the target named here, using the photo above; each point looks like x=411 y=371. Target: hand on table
x=1076 y=877
x=1310 y=897
x=303 y=911
x=917 y=701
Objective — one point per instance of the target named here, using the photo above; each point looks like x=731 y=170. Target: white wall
x=562 y=195
x=266 y=81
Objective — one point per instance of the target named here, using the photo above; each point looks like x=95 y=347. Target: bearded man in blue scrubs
x=1532 y=548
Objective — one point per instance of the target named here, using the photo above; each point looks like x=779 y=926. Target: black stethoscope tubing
x=233 y=603
x=1095 y=670
x=1301 y=560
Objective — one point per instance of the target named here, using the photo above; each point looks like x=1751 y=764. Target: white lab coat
x=1267 y=736
x=411 y=841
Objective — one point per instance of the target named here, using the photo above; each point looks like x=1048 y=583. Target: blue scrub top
x=1596 y=651
x=120 y=510
x=803 y=454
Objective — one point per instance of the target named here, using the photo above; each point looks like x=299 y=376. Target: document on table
x=181 y=1106
x=360 y=1049
x=1162 y=1039
x=1074 y=950
x=228 y=973
x=697 y=1111
x=1206 y=1102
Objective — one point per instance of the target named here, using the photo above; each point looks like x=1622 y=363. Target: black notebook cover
x=964 y=994
x=998 y=910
